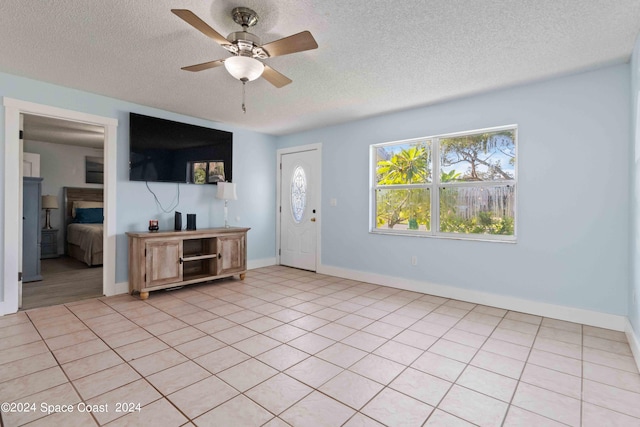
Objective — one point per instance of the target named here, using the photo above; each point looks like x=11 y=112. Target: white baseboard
x=634 y=343
x=259 y=263
x=570 y=314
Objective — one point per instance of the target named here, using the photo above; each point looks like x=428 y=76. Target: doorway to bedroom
x=63 y=172
x=11 y=285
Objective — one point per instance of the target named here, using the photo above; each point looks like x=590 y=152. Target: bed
x=83 y=231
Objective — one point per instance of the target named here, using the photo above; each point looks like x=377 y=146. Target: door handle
x=313 y=220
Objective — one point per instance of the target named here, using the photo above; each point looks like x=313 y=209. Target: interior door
x=299 y=205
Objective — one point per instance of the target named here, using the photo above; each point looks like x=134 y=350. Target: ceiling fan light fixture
x=244 y=68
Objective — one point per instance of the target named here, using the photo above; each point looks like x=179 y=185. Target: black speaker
x=191 y=221
x=177 y=221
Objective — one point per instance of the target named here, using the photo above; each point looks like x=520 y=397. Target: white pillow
x=84 y=204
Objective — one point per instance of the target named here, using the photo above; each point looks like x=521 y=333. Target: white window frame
x=435 y=185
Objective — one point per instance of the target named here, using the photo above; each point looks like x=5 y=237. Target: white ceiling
x=374 y=56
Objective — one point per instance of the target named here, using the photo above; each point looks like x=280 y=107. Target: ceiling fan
x=244 y=65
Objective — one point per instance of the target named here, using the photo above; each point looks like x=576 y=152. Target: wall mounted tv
x=167 y=151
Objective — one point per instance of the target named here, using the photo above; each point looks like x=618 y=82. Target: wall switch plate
x=414 y=260
x=333 y=202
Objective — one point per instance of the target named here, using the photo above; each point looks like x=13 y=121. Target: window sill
x=467 y=237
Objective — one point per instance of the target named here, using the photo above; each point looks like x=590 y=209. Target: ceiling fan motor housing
x=244 y=16
x=245 y=44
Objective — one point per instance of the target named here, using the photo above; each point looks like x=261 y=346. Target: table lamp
x=48 y=203
x=226 y=192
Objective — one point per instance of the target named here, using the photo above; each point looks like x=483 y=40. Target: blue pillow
x=89 y=216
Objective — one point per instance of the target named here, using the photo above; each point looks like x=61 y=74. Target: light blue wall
x=254 y=161
x=573 y=194
x=634 y=161
x=573 y=201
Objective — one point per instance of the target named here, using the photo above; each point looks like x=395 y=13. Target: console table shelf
x=168 y=259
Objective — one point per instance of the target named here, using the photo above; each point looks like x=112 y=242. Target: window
x=459 y=185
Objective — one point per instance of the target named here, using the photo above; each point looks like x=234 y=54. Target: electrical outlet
x=414 y=260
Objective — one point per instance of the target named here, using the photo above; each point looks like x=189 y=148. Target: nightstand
x=49 y=243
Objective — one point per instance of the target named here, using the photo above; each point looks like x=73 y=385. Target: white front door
x=299 y=206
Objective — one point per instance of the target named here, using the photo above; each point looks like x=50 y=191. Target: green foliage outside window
x=403 y=193
x=411 y=206
x=200 y=173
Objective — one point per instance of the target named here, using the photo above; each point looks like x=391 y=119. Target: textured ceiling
x=374 y=56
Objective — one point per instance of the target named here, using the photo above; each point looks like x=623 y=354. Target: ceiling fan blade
x=191 y=19
x=204 y=65
x=274 y=77
x=292 y=44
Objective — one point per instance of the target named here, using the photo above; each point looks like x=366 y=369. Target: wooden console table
x=167 y=259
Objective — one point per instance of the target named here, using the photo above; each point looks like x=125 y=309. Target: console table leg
x=242 y=276
x=144 y=295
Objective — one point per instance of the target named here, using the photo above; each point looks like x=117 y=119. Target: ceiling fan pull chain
x=244 y=109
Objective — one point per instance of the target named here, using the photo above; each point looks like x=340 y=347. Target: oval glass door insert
x=298 y=194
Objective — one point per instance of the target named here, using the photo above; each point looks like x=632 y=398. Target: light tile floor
x=289 y=347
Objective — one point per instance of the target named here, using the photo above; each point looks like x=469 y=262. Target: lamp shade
x=49 y=202
x=244 y=68
x=226 y=191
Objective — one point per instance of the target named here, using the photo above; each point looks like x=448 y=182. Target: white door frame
x=281 y=152
x=12 y=110
x=21 y=204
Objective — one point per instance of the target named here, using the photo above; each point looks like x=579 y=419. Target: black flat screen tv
x=166 y=151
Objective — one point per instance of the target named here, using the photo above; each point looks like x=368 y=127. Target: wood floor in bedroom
x=64 y=280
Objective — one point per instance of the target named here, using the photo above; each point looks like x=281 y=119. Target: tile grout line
x=519 y=380
x=58 y=362
x=162 y=396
